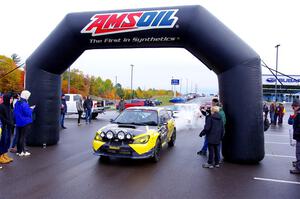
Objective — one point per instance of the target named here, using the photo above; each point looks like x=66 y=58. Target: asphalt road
x=70 y=170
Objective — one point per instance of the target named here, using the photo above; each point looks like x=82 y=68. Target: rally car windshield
x=138 y=117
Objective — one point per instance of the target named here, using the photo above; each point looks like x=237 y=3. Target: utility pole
x=277 y=46
x=180 y=83
x=69 y=79
x=116 y=90
x=187 y=85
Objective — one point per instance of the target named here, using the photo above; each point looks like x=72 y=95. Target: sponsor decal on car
x=111 y=23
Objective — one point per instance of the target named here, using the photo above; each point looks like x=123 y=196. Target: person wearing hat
x=23 y=118
x=296 y=136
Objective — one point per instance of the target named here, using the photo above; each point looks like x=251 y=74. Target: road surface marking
x=277 y=143
x=281 y=156
x=286 y=135
x=275 y=180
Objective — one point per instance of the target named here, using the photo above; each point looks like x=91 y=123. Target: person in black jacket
x=6 y=117
x=88 y=105
x=214 y=131
x=63 y=111
x=296 y=135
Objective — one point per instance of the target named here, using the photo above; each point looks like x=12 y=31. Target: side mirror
x=111 y=120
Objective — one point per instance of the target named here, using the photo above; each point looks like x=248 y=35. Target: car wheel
x=157 y=151
x=173 y=138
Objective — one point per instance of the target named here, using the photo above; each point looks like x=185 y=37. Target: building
x=288 y=88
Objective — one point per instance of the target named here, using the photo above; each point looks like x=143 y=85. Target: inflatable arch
x=191 y=27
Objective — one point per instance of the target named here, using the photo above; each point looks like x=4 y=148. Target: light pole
x=69 y=79
x=187 y=85
x=116 y=89
x=277 y=46
x=131 y=80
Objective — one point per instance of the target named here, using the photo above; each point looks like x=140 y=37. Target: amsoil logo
x=104 y=24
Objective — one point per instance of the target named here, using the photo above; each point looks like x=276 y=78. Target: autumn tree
x=11 y=81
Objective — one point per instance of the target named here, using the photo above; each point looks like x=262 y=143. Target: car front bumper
x=119 y=151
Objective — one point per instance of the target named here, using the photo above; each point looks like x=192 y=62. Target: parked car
x=136 y=102
x=136 y=133
x=155 y=102
x=178 y=100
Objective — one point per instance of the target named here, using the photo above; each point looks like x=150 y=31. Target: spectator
x=80 y=109
x=23 y=117
x=296 y=135
x=281 y=112
x=13 y=148
x=215 y=102
x=265 y=109
x=272 y=112
x=276 y=114
x=88 y=105
x=0 y=137
x=121 y=105
x=214 y=131
x=63 y=111
x=6 y=118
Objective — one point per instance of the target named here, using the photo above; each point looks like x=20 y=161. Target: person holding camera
x=214 y=131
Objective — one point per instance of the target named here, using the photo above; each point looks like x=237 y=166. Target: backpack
x=291 y=119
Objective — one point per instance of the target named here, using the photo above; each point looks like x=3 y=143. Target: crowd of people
x=16 y=119
x=84 y=105
x=214 y=129
x=276 y=111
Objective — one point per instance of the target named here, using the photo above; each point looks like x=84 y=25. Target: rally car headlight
x=141 y=140
x=109 y=134
x=102 y=134
x=121 y=135
x=128 y=136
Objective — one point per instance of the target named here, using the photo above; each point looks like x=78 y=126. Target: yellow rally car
x=138 y=132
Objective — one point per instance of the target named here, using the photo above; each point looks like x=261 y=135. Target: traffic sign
x=174 y=81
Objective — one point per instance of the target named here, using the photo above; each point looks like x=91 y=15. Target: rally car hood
x=133 y=129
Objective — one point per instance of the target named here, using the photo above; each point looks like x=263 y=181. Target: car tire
x=171 y=143
x=94 y=115
x=157 y=151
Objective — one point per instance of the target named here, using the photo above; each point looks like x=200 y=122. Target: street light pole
x=277 y=46
x=187 y=85
x=131 y=80
x=69 y=79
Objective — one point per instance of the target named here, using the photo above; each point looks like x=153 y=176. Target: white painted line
x=277 y=143
x=275 y=180
x=281 y=156
x=286 y=135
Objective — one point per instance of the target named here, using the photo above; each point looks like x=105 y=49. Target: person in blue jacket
x=23 y=118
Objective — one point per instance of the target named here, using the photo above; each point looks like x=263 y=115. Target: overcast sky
x=261 y=24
